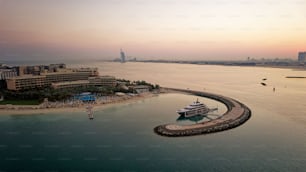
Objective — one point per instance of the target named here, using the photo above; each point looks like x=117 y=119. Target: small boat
x=196 y=108
x=264 y=84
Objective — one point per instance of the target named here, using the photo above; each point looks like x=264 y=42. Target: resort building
x=55 y=67
x=91 y=71
x=21 y=70
x=100 y=81
x=7 y=73
x=103 y=81
x=70 y=84
x=65 y=76
x=56 y=76
x=38 y=69
x=25 y=82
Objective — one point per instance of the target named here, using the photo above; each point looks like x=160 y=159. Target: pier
x=236 y=114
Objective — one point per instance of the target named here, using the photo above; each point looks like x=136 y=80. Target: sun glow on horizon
x=163 y=28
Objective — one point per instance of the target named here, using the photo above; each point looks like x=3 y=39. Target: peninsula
x=237 y=114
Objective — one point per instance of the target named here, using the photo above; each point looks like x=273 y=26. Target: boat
x=196 y=108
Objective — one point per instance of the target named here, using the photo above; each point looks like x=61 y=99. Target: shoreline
x=237 y=113
x=81 y=107
x=292 y=67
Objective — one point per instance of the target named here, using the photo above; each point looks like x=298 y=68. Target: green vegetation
x=20 y=102
x=146 y=83
x=124 y=80
x=140 y=82
x=52 y=94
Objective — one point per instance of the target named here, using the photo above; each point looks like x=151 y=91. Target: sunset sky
x=159 y=29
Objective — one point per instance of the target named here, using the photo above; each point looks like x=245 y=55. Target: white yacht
x=196 y=108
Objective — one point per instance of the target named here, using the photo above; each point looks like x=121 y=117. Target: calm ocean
x=121 y=136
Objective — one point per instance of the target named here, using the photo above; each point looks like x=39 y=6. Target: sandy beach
x=69 y=106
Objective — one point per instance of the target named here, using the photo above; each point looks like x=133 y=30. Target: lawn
x=20 y=102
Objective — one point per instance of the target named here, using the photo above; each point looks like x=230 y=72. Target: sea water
x=121 y=136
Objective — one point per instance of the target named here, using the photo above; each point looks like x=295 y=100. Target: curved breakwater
x=236 y=114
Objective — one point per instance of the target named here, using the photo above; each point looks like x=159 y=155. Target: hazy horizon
x=162 y=29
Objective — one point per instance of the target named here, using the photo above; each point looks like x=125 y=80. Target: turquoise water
x=121 y=137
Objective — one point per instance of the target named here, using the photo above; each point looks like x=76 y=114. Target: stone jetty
x=236 y=114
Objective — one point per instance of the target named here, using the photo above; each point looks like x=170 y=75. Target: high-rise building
x=122 y=56
x=7 y=73
x=21 y=70
x=302 y=56
x=56 y=67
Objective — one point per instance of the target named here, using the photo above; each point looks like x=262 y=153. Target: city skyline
x=163 y=29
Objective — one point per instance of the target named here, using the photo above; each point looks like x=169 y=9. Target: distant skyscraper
x=302 y=56
x=122 y=56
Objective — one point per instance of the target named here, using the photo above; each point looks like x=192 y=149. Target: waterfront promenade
x=236 y=114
